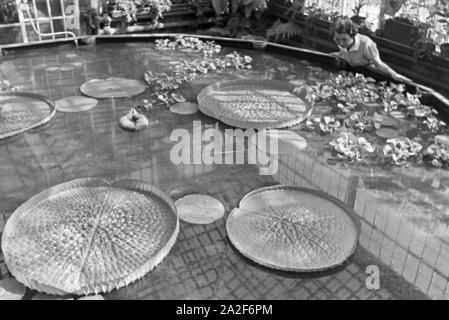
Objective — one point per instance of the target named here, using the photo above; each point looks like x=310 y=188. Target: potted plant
x=403 y=29
x=125 y=8
x=439 y=12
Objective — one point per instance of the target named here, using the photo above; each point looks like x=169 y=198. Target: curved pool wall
x=390 y=238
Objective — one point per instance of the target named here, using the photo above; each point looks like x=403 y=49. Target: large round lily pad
x=89 y=236
x=75 y=104
x=293 y=229
x=112 y=88
x=251 y=103
x=21 y=111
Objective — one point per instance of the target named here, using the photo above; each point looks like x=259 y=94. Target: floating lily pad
x=287 y=142
x=199 y=209
x=184 y=108
x=387 y=133
x=75 y=104
x=21 y=111
x=293 y=229
x=70 y=255
x=112 y=88
x=11 y=289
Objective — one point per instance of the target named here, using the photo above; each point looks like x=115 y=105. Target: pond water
x=202 y=264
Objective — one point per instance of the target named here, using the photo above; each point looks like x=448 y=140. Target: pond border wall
x=420 y=257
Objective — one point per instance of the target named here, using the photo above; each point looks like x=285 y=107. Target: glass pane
x=8 y=12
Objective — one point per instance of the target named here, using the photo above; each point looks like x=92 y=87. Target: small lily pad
x=184 y=108
x=199 y=209
x=387 y=133
x=11 y=289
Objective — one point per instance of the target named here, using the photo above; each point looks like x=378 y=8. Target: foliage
x=399 y=150
x=5 y=85
x=329 y=124
x=247 y=7
x=165 y=83
x=200 y=7
x=130 y=8
x=357 y=7
x=8 y=12
x=207 y=48
x=351 y=148
x=283 y=31
x=438 y=153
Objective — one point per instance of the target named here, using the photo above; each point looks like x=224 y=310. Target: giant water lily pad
x=251 y=103
x=199 y=209
x=89 y=236
x=112 y=88
x=293 y=229
x=75 y=104
x=21 y=111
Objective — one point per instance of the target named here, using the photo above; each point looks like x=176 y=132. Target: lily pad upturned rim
x=126 y=184
x=349 y=211
x=251 y=84
x=11 y=133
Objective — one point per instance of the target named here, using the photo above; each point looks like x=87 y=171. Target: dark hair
x=345 y=25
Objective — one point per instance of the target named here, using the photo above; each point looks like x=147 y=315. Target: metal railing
x=28 y=15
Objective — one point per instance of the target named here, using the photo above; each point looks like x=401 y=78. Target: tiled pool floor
x=202 y=264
